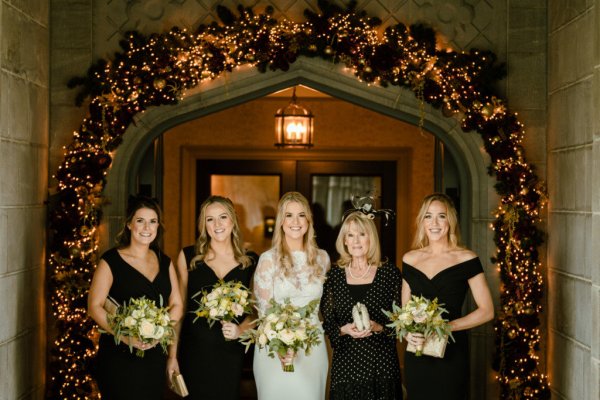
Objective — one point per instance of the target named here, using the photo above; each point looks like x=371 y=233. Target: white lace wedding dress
x=309 y=379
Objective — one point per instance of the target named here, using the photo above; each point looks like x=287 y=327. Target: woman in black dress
x=134 y=268
x=211 y=359
x=439 y=267
x=365 y=362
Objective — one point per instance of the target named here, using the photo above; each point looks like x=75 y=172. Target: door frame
x=191 y=154
x=296 y=175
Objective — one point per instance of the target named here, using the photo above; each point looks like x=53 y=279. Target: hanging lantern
x=294 y=125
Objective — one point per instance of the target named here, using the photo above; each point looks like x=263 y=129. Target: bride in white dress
x=293 y=268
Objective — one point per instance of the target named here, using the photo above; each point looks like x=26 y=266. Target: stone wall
x=573 y=184
x=24 y=77
x=84 y=30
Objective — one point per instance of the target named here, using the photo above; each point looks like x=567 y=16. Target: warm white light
x=293 y=125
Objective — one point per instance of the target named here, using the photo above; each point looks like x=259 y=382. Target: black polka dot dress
x=367 y=368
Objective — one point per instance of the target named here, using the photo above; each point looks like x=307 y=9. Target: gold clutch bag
x=433 y=346
x=111 y=305
x=178 y=385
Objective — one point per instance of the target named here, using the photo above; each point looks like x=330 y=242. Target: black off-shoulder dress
x=441 y=378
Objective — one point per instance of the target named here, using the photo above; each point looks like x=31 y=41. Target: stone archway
x=246 y=84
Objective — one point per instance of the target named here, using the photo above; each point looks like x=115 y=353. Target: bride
x=293 y=268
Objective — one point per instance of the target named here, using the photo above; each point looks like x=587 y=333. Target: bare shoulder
x=413 y=256
x=463 y=254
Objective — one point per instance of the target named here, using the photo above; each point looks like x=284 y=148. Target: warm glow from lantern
x=293 y=125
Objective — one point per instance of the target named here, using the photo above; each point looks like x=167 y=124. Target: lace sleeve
x=324 y=261
x=263 y=282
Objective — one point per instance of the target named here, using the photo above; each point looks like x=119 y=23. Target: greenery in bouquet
x=419 y=315
x=285 y=328
x=227 y=301
x=142 y=319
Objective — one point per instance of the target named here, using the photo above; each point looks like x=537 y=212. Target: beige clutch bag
x=178 y=385
x=111 y=305
x=434 y=346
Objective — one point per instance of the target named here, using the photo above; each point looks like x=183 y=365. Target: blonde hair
x=202 y=247
x=283 y=257
x=420 y=240
x=363 y=224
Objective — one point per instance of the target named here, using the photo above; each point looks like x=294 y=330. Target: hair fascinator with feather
x=366 y=205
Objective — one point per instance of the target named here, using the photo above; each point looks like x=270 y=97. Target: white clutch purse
x=433 y=346
x=361 y=318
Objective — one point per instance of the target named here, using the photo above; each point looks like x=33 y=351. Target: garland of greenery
x=156 y=70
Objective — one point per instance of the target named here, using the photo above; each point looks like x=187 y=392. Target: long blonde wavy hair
x=283 y=257
x=202 y=247
x=420 y=240
x=363 y=224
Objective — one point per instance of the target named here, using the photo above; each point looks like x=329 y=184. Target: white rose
x=165 y=320
x=129 y=321
x=237 y=309
x=262 y=340
x=406 y=318
x=137 y=314
x=213 y=312
x=301 y=335
x=244 y=294
x=147 y=329
x=159 y=332
x=287 y=336
x=243 y=301
x=271 y=334
x=211 y=296
x=271 y=317
x=420 y=318
x=212 y=304
x=279 y=326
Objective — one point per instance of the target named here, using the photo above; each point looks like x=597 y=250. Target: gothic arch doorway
x=247 y=84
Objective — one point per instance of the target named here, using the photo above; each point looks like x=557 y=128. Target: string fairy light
x=157 y=69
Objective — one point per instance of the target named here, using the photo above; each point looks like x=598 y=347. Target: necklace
x=358 y=277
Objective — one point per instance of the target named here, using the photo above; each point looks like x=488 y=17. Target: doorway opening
x=255 y=187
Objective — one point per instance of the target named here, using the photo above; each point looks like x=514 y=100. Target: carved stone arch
x=247 y=83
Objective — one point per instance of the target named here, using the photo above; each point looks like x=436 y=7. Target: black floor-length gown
x=121 y=374
x=210 y=365
x=441 y=378
x=366 y=368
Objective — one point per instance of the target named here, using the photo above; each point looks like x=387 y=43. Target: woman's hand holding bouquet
x=141 y=324
x=421 y=316
x=284 y=330
x=226 y=302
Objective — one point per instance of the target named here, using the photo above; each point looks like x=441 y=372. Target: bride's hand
x=288 y=359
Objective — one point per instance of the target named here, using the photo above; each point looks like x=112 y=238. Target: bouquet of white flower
x=227 y=301
x=285 y=328
x=421 y=315
x=144 y=320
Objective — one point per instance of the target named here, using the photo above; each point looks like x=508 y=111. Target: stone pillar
x=24 y=78
x=573 y=188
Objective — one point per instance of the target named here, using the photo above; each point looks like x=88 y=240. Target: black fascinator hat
x=366 y=205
